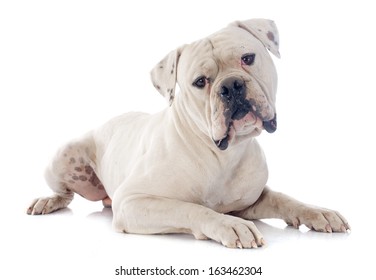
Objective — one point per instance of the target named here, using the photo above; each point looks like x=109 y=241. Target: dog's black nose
x=232 y=88
x=233 y=92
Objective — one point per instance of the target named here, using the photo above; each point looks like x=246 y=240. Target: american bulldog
x=195 y=167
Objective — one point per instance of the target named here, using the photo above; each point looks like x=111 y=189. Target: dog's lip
x=246 y=129
x=222 y=144
x=270 y=125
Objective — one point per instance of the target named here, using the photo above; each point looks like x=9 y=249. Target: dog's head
x=228 y=81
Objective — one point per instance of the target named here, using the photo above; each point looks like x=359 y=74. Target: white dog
x=195 y=167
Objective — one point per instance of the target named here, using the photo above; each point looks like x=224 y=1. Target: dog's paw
x=318 y=219
x=233 y=232
x=46 y=205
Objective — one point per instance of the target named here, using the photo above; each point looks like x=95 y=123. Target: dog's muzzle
x=233 y=93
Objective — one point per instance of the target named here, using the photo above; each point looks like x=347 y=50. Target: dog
x=195 y=167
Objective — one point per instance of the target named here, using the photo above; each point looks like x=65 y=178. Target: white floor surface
x=68 y=66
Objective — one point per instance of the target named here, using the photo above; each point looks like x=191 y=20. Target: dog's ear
x=164 y=75
x=263 y=29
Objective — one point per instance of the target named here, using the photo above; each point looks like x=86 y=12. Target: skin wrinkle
x=264 y=89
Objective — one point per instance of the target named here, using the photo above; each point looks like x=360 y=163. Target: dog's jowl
x=195 y=167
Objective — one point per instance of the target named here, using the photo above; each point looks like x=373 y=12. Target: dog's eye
x=248 y=59
x=200 y=82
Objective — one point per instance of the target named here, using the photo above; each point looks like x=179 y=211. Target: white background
x=69 y=66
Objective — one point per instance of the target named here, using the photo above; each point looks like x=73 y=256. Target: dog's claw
x=253 y=244
x=345 y=228
x=296 y=223
x=328 y=228
x=262 y=242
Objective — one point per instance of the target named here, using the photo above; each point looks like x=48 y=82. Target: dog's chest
x=235 y=189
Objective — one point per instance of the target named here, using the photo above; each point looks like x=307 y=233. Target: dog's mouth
x=250 y=125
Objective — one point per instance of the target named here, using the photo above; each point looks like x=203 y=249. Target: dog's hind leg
x=71 y=171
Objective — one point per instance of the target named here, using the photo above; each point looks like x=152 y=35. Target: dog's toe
x=234 y=232
x=321 y=219
x=46 y=205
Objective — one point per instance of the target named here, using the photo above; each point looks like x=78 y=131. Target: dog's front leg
x=277 y=205
x=146 y=214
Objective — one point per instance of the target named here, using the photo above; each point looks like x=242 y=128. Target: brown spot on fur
x=94 y=180
x=270 y=36
x=81 y=159
x=71 y=182
x=75 y=177
x=88 y=170
x=172 y=69
x=72 y=160
x=82 y=178
x=78 y=169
